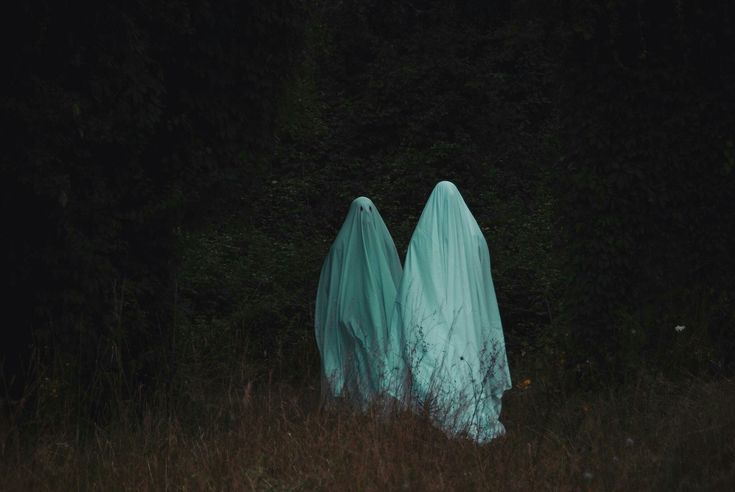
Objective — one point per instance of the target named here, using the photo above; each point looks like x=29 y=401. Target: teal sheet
x=445 y=342
x=357 y=289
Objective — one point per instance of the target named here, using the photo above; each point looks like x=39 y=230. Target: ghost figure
x=357 y=289
x=446 y=324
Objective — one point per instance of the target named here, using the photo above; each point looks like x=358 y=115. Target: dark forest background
x=173 y=173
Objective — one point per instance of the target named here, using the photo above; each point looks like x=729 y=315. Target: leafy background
x=174 y=172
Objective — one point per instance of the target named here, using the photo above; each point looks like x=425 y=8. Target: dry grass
x=652 y=435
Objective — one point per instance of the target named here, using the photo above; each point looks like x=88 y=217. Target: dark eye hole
x=370 y=207
x=360 y=208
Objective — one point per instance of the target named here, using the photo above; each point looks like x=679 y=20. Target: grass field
x=651 y=434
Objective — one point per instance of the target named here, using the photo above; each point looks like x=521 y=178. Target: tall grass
x=651 y=434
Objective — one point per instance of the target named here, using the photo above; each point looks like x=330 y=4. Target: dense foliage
x=174 y=172
x=124 y=122
x=645 y=184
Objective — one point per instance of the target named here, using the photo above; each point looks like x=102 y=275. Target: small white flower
x=632 y=332
x=679 y=328
x=587 y=475
x=629 y=441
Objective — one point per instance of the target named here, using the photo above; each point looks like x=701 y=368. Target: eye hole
x=360 y=208
x=371 y=208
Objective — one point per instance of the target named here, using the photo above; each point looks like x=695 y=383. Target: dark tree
x=124 y=121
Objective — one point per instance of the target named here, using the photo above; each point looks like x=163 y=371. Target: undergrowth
x=650 y=434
